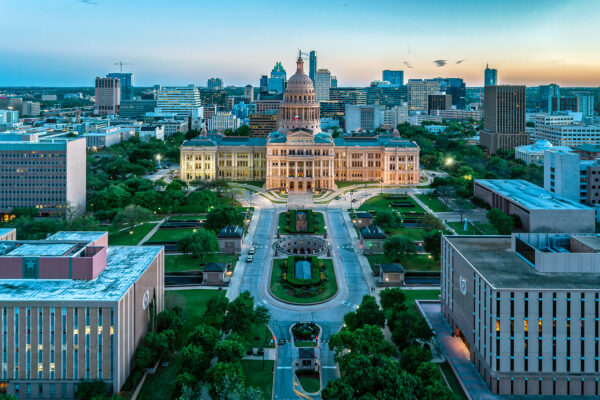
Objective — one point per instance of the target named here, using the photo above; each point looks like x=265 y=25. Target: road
x=255 y=278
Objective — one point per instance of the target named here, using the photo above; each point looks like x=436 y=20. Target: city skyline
x=524 y=40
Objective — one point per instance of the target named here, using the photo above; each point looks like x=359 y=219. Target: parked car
x=249 y=259
x=251 y=251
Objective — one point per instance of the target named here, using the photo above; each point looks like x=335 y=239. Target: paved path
x=299 y=201
x=456 y=353
x=152 y=232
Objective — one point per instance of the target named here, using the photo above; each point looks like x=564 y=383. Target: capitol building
x=299 y=157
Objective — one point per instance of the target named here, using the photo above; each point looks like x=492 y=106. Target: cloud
x=440 y=63
x=460 y=61
x=88 y=2
x=407 y=64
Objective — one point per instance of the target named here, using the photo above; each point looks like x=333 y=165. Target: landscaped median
x=288 y=287
x=301 y=221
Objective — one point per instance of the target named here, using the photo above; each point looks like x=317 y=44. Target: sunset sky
x=69 y=42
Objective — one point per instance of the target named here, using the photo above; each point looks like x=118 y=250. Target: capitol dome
x=300 y=108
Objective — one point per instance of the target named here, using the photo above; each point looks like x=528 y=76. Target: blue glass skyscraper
x=491 y=76
x=395 y=78
x=126 y=79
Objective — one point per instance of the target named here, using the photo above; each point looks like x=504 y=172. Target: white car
x=251 y=251
x=249 y=259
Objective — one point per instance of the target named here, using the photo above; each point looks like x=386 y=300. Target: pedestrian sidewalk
x=270 y=354
x=240 y=267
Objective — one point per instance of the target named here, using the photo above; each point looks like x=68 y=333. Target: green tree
x=437 y=391
x=262 y=316
x=430 y=222
x=408 y=329
x=89 y=390
x=392 y=299
x=195 y=360
x=183 y=381
x=220 y=217
x=368 y=340
x=112 y=197
x=144 y=357
x=216 y=306
x=132 y=215
x=503 y=223
x=412 y=357
x=223 y=377
x=432 y=243
x=243 y=130
x=387 y=220
x=429 y=373
x=158 y=343
x=398 y=246
x=338 y=389
x=240 y=314
x=192 y=133
x=367 y=313
x=230 y=349
x=204 y=336
x=169 y=319
x=199 y=244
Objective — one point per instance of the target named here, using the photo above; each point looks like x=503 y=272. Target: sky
x=178 y=42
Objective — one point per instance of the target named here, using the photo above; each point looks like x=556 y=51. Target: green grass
x=158 y=386
x=284 y=229
x=464 y=204
x=414 y=234
x=178 y=263
x=189 y=217
x=310 y=381
x=432 y=202
x=485 y=229
x=264 y=337
x=412 y=295
x=459 y=227
x=171 y=235
x=414 y=262
x=259 y=377
x=258 y=184
x=124 y=238
x=228 y=201
x=304 y=343
x=381 y=203
x=343 y=184
x=280 y=292
x=452 y=380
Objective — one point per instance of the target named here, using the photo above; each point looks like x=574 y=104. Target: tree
x=183 y=381
x=408 y=329
x=223 y=377
x=367 y=313
x=199 y=244
x=158 y=343
x=430 y=222
x=437 y=391
x=392 y=298
x=368 y=340
x=243 y=130
x=230 y=349
x=387 y=220
x=338 y=389
x=90 y=389
x=398 y=246
x=429 y=373
x=216 y=306
x=432 y=243
x=240 y=314
x=218 y=185
x=169 y=319
x=195 y=360
x=413 y=357
x=503 y=223
x=132 y=215
x=144 y=357
x=6 y=396
x=206 y=337
x=220 y=217
x=192 y=133
x=262 y=316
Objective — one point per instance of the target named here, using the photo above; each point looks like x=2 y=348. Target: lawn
x=452 y=380
x=258 y=184
x=188 y=217
x=310 y=381
x=412 y=295
x=158 y=385
x=304 y=343
x=264 y=337
x=459 y=227
x=125 y=238
x=258 y=376
x=228 y=201
x=171 y=235
x=178 y=263
x=279 y=291
x=414 y=262
x=382 y=203
x=432 y=202
x=343 y=184
x=285 y=228
x=485 y=229
x=414 y=234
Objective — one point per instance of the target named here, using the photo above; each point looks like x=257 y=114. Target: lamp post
x=158 y=159
x=429 y=257
x=381 y=185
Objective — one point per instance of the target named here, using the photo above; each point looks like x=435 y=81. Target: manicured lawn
x=304 y=343
x=158 y=386
x=414 y=234
x=452 y=380
x=125 y=238
x=254 y=183
x=485 y=229
x=459 y=227
x=178 y=263
x=310 y=381
x=432 y=202
x=172 y=235
x=264 y=337
x=412 y=295
x=414 y=262
x=228 y=201
x=464 y=204
x=188 y=217
x=381 y=203
x=343 y=184
x=286 y=228
x=258 y=376
x=278 y=290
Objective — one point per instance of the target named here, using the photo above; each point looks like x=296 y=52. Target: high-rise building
x=249 y=92
x=334 y=82
x=545 y=93
x=75 y=309
x=456 y=88
x=222 y=121
x=136 y=108
x=312 y=66
x=585 y=103
x=183 y=100
x=418 y=92
x=395 y=116
x=263 y=124
x=570 y=176
x=490 y=76
x=504 y=118
x=30 y=108
x=363 y=117
x=348 y=95
x=393 y=77
x=562 y=103
x=46 y=174
x=9 y=117
x=108 y=96
x=439 y=101
x=11 y=103
x=215 y=84
x=264 y=83
x=278 y=78
x=380 y=93
x=126 y=79
x=322 y=83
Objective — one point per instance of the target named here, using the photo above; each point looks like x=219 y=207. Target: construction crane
x=121 y=63
x=303 y=54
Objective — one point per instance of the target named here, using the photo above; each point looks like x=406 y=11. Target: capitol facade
x=299 y=157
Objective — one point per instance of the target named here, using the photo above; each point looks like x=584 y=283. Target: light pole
x=381 y=185
x=158 y=159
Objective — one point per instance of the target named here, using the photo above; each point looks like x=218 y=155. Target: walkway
x=299 y=201
x=456 y=353
x=152 y=232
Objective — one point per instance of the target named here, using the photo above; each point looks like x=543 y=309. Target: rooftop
x=78 y=235
x=372 y=232
x=391 y=268
x=231 y=231
x=124 y=267
x=4 y=231
x=494 y=259
x=42 y=249
x=529 y=195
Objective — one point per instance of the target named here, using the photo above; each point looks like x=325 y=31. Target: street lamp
x=158 y=159
x=449 y=161
x=381 y=185
x=429 y=257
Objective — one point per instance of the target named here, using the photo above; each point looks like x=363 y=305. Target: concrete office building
x=504 y=118
x=215 y=84
x=46 y=174
x=107 y=137
x=571 y=135
x=31 y=108
x=567 y=175
x=585 y=103
x=263 y=124
x=249 y=92
x=386 y=95
x=126 y=80
x=74 y=309
x=494 y=289
x=8 y=234
x=395 y=78
x=322 y=83
x=183 y=100
x=439 y=101
x=419 y=91
x=9 y=117
x=362 y=118
x=588 y=151
x=490 y=76
x=539 y=210
x=108 y=96
x=348 y=95
x=11 y=103
x=460 y=115
x=394 y=116
x=562 y=103
x=221 y=121
x=418 y=118
x=312 y=66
